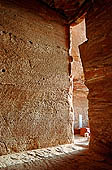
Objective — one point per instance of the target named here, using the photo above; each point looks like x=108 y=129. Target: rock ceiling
x=70 y=9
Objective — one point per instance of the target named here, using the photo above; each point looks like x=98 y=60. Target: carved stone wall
x=34 y=78
x=97 y=61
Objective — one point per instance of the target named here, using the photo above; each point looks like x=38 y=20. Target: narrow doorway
x=80 y=92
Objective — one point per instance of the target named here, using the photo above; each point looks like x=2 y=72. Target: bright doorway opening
x=78 y=90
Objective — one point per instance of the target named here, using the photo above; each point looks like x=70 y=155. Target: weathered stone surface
x=64 y=157
x=97 y=61
x=34 y=79
x=59 y=157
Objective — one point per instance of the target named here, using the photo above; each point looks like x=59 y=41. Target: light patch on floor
x=62 y=157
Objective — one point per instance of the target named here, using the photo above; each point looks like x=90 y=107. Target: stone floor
x=64 y=157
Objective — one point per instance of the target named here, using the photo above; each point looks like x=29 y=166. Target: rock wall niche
x=34 y=78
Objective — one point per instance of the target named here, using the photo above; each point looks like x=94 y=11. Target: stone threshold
x=40 y=158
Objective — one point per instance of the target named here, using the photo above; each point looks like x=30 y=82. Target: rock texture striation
x=97 y=61
x=71 y=10
x=34 y=79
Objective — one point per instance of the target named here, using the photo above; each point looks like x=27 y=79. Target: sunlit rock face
x=80 y=103
x=97 y=61
x=34 y=78
x=80 y=91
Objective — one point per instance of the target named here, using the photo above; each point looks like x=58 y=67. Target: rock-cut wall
x=34 y=78
x=97 y=61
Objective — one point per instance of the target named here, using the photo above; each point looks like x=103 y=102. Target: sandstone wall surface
x=97 y=61
x=34 y=82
